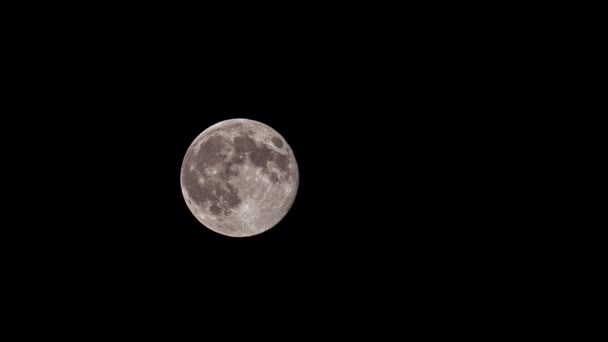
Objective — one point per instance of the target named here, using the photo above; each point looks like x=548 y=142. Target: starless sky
x=339 y=90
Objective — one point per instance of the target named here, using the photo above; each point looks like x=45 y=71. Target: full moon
x=239 y=177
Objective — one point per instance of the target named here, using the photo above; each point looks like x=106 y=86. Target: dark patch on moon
x=243 y=144
x=211 y=151
x=282 y=162
x=215 y=210
x=192 y=187
x=261 y=156
x=238 y=159
x=258 y=155
x=274 y=178
x=277 y=142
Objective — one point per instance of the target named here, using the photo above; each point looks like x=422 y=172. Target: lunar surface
x=239 y=177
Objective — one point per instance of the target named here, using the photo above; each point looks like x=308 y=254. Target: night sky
x=340 y=90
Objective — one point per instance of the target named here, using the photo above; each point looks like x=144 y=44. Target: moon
x=239 y=177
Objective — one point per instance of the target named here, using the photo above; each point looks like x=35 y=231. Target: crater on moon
x=277 y=142
x=239 y=177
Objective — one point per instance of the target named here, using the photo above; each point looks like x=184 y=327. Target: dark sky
x=341 y=92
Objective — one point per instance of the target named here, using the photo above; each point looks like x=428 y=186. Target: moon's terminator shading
x=239 y=177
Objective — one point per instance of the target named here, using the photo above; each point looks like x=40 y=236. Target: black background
x=341 y=92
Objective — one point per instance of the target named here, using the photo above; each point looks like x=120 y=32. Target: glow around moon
x=239 y=177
